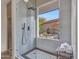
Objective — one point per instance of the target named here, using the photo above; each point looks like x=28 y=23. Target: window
x=49 y=24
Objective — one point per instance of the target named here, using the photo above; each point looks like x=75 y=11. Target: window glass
x=49 y=24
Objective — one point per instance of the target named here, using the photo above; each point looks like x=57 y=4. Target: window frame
x=38 y=36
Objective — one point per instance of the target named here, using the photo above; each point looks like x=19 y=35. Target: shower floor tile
x=37 y=54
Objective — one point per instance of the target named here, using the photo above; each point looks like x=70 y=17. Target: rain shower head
x=31 y=8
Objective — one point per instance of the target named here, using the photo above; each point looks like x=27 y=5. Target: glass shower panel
x=25 y=26
x=30 y=23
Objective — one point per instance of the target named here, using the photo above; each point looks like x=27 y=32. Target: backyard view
x=49 y=24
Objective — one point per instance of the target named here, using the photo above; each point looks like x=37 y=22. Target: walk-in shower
x=44 y=29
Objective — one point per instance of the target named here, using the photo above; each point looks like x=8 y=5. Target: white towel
x=65 y=47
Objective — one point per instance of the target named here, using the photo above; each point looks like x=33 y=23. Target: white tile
x=36 y=54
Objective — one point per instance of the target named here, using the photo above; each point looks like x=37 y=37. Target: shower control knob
x=28 y=28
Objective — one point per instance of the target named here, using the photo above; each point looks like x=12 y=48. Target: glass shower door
x=31 y=23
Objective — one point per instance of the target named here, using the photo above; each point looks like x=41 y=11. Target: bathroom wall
x=74 y=28
x=3 y=26
x=21 y=18
x=65 y=28
x=65 y=19
x=48 y=45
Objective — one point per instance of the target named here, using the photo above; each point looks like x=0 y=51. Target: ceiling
x=7 y=1
x=49 y=7
x=46 y=5
x=40 y=2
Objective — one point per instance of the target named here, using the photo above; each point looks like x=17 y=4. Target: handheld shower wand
x=23 y=31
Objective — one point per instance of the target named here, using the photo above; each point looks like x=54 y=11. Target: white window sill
x=43 y=38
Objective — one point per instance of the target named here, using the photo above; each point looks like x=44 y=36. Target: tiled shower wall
x=29 y=37
x=65 y=19
x=65 y=28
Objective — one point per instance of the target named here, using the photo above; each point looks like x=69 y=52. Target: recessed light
x=26 y=0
